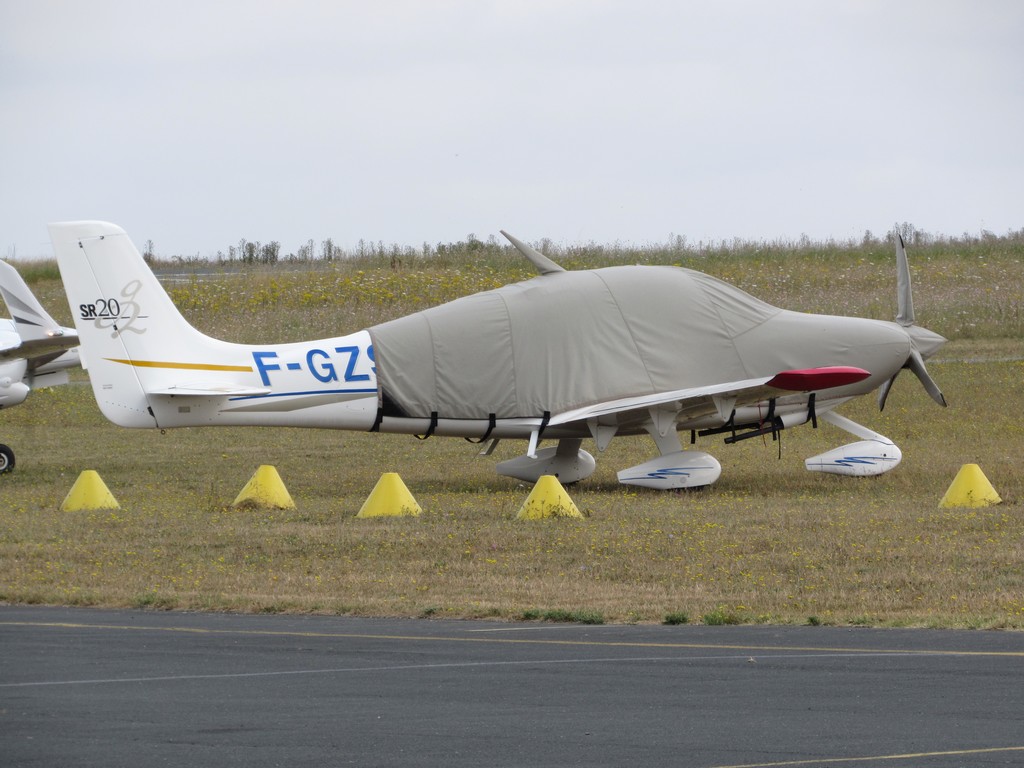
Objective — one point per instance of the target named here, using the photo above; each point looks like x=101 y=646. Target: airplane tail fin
x=47 y=349
x=31 y=321
x=135 y=342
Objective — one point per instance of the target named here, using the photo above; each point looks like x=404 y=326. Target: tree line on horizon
x=253 y=252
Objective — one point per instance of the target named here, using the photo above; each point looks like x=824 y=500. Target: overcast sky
x=200 y=122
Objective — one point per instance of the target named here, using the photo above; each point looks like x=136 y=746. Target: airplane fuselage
x=565 y=355
x=333 y=383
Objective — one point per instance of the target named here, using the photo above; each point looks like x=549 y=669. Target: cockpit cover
x=563 y=341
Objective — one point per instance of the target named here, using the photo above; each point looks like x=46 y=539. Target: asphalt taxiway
x=82 y=687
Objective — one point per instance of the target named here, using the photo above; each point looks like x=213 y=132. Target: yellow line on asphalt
x=511 y=640
x=876 y=758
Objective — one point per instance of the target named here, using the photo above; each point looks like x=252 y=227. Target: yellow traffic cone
x=548 y=499
x=970 y=488
x=89 y=492
x=389 y=498
x=264 y=489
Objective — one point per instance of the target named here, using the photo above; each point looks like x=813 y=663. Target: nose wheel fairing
x=873 y=455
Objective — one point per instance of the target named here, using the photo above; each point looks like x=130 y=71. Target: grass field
x=769 y=542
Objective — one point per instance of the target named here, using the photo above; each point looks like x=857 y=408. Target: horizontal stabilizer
x=210 y=390
x=47 y=348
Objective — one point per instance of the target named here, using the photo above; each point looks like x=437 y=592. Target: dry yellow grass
x=769 y=542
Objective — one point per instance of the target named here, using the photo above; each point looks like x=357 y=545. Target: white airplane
x=563 y=356
x=34 y=350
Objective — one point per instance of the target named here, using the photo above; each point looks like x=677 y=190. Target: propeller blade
x=920 y=338
x=543 y=264
x=883 y=391
x=904 y=295
x=916 y=364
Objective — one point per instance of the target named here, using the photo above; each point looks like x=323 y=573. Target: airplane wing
x=722 y=397
x=42 y=338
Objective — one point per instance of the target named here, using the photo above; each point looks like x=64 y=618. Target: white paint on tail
x=150 y=368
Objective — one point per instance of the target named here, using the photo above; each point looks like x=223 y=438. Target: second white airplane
x=35 y=351
x=564 y=356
